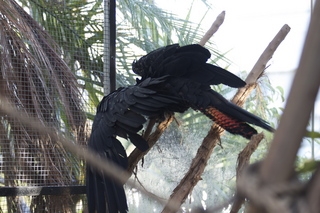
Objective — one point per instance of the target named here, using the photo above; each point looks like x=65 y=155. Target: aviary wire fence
x=41 y=75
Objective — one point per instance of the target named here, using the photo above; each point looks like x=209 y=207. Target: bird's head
x=147 y=65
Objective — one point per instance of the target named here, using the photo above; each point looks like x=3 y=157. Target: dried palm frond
x=37 y=81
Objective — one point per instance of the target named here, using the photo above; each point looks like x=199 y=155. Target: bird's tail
x=105 y=194
x=231 y=117
x=230 y=124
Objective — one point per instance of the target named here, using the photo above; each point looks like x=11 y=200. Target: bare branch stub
x=213 y=29
x=267 y=54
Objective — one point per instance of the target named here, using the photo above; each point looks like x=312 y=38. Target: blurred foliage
x=307 y=166
x=313 y=135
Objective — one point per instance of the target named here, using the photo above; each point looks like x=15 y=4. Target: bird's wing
x=188 y=61
x=121 y=113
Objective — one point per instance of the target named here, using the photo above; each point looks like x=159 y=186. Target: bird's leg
x=147 y=132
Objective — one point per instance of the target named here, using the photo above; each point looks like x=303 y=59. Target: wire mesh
x=50 y=203
x=48 y=75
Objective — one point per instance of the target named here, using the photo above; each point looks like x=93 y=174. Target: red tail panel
x=230 y=124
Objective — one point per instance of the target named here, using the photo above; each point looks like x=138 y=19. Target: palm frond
x=38 y=82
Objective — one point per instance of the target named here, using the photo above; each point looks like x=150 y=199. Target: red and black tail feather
x=230 y=124
x=229 y=116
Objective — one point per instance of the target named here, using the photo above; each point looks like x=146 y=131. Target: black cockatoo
x=173 y=79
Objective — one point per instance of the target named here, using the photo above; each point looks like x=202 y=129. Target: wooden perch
x=267 y=55
x=260 y=66
x=198 y=164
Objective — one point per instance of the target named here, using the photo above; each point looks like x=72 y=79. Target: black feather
x=121 y=113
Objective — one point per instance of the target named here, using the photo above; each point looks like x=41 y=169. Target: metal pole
x=109 y=34
x=312 y=112
x=112 y=20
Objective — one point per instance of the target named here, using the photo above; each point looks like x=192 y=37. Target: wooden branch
x=241 y=96
x=198 y=164
x=196 y=169
x=213 y=29
x=239 y=99
x=243 y=161
x=260 y=66
x=136 y=155
x=267 y=54
x=313 y=192
x=279 y=163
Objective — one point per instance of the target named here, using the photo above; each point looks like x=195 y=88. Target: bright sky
x=249 y=26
